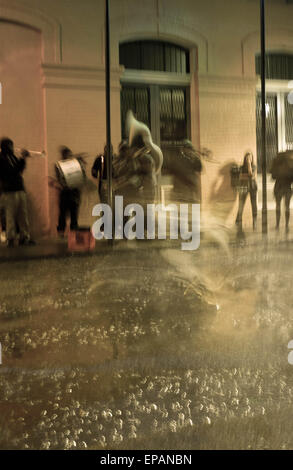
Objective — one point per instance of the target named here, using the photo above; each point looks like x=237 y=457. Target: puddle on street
x=147 y=349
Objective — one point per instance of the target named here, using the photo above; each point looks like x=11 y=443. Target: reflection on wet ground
x=147 y=349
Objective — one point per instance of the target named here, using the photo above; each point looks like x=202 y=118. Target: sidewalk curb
x=56 y=250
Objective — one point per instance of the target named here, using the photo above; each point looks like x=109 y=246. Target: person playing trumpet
x=14 y=195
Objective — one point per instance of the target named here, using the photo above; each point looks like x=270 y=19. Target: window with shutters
x=278 y=66
x=163 y=107
x=154 y=55
x=279 y=108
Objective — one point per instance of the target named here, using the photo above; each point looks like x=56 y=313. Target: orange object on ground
x=81 y=240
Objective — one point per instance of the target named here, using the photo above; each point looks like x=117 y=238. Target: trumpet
x=31 y=153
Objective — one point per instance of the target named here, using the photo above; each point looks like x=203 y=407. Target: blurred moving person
x=69 y=198
x=2 y=218
x=99 y=172
x=282 y=172
x=247 y=185
x=282 y=190
x=14 y=195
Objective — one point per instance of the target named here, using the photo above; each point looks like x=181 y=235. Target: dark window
x=272 y=132
x=138 y=100
x=278 y=66
x=173 y=119
x=154 y=55
x=289 y=123
x=169 y=106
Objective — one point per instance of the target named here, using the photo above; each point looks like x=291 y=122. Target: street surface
x=148 y=349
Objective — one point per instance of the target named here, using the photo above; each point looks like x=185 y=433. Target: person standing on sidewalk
x=282 y=189
x=99 y=172
x=282 y=173
x=69 y=198
x=2 y=218
x=14 y=195
x=247 y=185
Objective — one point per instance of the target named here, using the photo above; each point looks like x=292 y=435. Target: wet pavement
x=148 y=349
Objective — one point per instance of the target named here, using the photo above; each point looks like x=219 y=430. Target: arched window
x=154 y=55
x=279 y=66
x=158 y=91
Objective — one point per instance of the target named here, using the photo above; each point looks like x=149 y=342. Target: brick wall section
x=22 y=113
x=227 y=128
x=75 y=108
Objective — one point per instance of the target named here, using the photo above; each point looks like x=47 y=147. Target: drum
x=71 y=173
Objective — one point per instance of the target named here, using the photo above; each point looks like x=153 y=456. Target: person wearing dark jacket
x=69 y=199
x=99 y=172
x=14 y=195
x=2 y=218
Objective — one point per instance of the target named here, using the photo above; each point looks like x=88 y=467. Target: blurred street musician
x=69 y=198
x=99 y=172
x=14 y=195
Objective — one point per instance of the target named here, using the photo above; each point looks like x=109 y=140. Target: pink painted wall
x=22 y=113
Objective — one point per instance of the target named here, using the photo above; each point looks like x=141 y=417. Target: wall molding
x=236 y=86
x=174 y=29
x=149 y=77
x=15 y=12
x=86 y=78
x=278 y=40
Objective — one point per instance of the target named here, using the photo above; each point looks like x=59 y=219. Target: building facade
x=192 y=67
